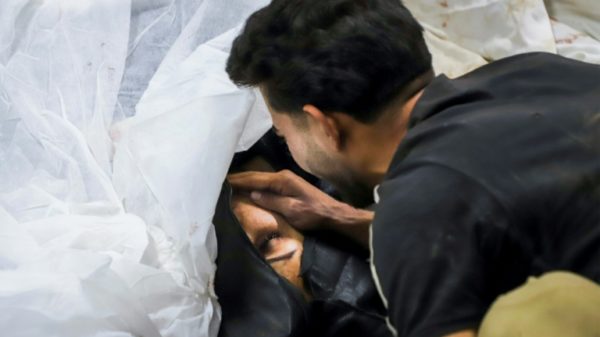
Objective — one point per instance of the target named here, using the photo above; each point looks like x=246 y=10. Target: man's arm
x=303 y=205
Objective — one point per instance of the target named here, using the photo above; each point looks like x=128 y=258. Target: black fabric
x=254 y=300
x=497 y=179
x=345 y=301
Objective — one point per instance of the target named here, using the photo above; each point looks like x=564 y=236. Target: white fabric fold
x=105 y=229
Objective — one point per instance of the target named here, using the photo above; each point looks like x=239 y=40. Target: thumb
x=271 y=201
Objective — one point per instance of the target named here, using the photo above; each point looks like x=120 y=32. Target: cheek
x=290 y=269
x=298 y=148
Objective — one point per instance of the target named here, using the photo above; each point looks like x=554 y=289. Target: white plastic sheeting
x=105 y=222
x=117 y=124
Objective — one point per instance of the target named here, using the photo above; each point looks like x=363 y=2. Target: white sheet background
x=104 y=226
x=464 y=34
x=118 y=123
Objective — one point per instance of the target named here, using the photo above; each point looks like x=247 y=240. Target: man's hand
x=303 y=205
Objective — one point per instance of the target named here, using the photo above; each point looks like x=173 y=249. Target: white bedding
x=117 y=125
x=464 y=34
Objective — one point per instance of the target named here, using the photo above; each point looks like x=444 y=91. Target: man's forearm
x=352 y=222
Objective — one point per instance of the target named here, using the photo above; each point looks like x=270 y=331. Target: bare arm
x=303 y=205
x=465 y=333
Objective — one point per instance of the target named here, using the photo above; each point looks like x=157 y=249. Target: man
x=481 y=182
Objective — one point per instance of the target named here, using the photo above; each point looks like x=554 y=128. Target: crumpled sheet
x=105 y=222
x=117 y=124
x=465 y=34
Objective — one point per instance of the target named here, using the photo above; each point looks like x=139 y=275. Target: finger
x=283 y=182
x=274 y=202
x=254 y=181
x=250 y=177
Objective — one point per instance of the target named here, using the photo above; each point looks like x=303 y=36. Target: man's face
x=300 y=140
x=314 y=154
x=303 y=143
x=275 y=239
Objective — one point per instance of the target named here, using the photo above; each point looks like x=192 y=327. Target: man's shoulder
x=419 y=185
x=534 y=61
x=497 y=122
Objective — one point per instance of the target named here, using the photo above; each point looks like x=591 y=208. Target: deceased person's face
x=278 y=242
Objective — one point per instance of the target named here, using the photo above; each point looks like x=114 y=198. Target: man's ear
x=329 y=125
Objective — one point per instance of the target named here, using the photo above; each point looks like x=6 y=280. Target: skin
x=304 y=206
x=337 y=148
x=277 y=241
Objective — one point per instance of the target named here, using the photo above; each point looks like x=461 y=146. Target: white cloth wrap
x=105 y=221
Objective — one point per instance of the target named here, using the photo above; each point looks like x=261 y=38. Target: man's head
x=323 y=65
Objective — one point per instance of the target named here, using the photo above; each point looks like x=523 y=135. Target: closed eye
x=286 y=256
x=269 y=247
x=266 y=245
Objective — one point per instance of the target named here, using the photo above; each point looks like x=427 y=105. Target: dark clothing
x=256 y=301
x=497 y=179
x=344 y=300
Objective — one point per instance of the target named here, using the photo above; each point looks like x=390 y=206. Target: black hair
x=348 y=56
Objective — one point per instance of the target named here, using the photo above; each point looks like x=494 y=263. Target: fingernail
x=255 y=195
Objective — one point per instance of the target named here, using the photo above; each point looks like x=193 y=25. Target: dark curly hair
x=349 y=56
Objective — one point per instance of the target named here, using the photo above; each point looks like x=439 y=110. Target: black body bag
x=256 y=301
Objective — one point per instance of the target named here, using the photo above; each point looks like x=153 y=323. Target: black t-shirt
x=497 y=179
